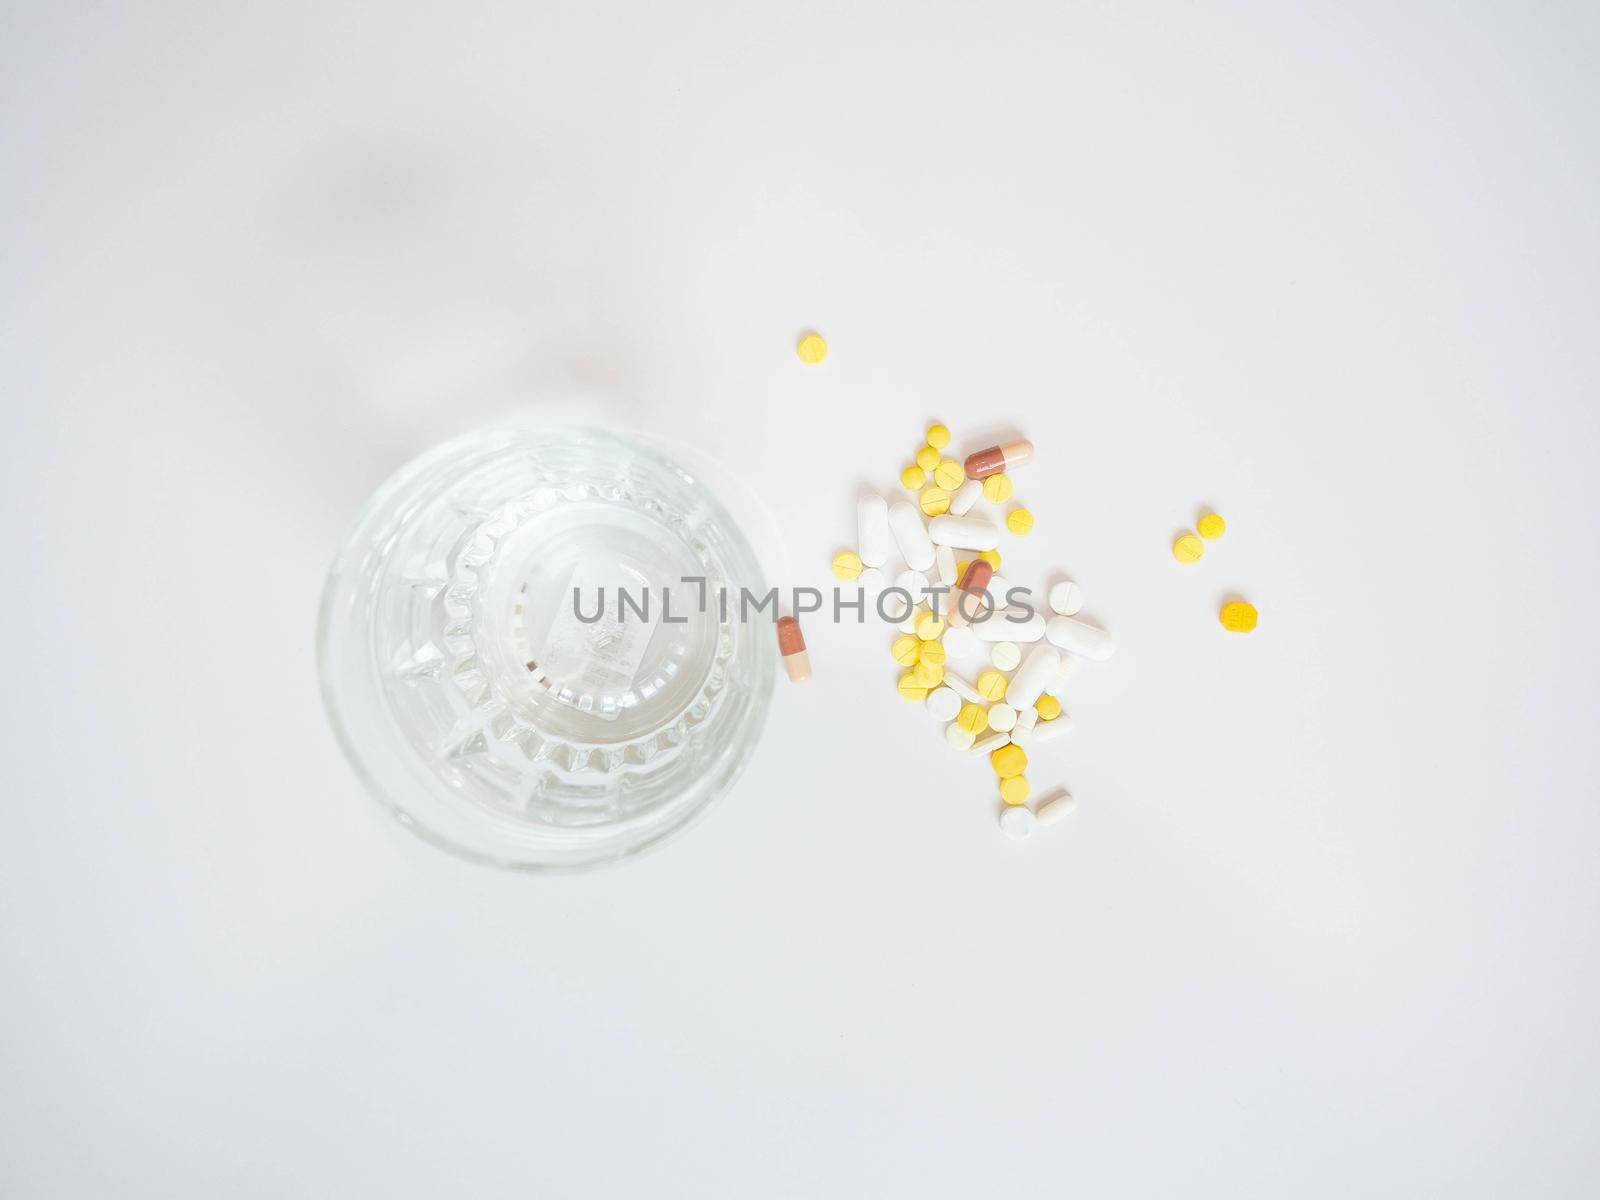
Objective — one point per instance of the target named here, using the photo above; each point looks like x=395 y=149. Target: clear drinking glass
x=474 y=702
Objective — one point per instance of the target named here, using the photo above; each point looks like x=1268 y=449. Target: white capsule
x=1002 y=718
x=1057 y=686
x=990 y=741
x=1022 y=731
x=905 y=523
x=1049 y=731
x=1055 y=804
x=1035 y=671
x=873 y=542
x=960 y=642
x=965 y=496
x=959 y=738
x=961 y=687
x=1066 y=598
x=944 y=562
x=1087 y=641
x=1010 y=625
x=1005 y=656
x=943 y=704
x=1016 y=822
x=964 y=533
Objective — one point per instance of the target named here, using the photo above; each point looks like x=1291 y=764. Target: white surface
x=1324 y=923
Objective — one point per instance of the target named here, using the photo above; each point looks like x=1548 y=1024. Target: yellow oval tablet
x=1188 y=549
x=935 y=501
x=949 y=475
x=913 y=477
x=931 y=653
x=906 y=649
x=991 y=686
x=1014 y=789
x=938 y=436
x=910 y=689
x=1239 y=616
x=1019 y=521
x=1048 y=707
x=927 y=458
x=1008 y=761
x=813 y=348
x=1211 y=527
x=929 y=627
x=997 y=488
x=972 y=718
x=992 y=557
x=847 y=566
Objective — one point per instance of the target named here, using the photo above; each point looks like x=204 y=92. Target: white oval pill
x=1049 y=731
x=944 y=561
x=905 y=523
x=964 y=533
x=968 y=494
x=1011 y=625
x=990 y=741
x=872 y=529
x=959 y=738
x=1036 y=670
x=1055 y=804
x=1021 y=732
x=943 y=704
x=1088 y=641
x=1016 y=822
x=1002 y=718
x=1066 y=598
x=1057 y=686
x=960 y=642
x=1005 y=656
x=961 y=687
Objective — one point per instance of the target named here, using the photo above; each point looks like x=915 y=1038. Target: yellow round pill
x=927 y=458
x=1188 y=549
x=910 y=689
x=931 y=653
x=935 y=500
x=1239 y=616
x=1211 y=527
x=992 y=557
x=1014 y=789
x=913 y=477
x=1019 y=521
x=992 y=686
x=929 y=627
x=1008 y=761
x=949 y=475
x=813 y=348
x=1048 y=707
x=929 y=675
x=847 y=566
x=972 y=718
x=907 y=650
x=997 y=488
x=938 y=436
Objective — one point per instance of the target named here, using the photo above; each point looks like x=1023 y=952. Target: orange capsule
x=998 y=458
x=792 y=645
x=967 y=601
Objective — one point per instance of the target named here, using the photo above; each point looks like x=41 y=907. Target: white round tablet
x=961 y=642
x=1066 y=598
x=914 y=582
x=943 y=704
x=959 y=738
x=1005 y=656
x=870 y=580
x=997 y=589
x=1017 y=822
x=1002 y=718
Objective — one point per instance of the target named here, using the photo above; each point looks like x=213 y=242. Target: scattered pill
x=1188 y=549
x=960 y=642
x=992 y=557
x=913 y=583
x=913 y=477
x=968 y=602
x=1019 y=521
x=928 y=675
x=998 y=458
x=1011 y=625
x=949 y=475
x=943 y=704
x=1055 y=804
x=973 y=719
x=1028 y=683
x=964 y=533
x=871 y=579
x=1016 y=822
x=1058 y=685
x=847 y=566
x=873 y=542
x=965 y=497
x=1211 y=527
x=905 y=523
x=944 y=564
x=997 y=489
x=1238 y=616
x=813 y=348
x=1005 y=656
x=1048 y=708
x=992 y=685
x=962 y=688
x=1015 y=790
x=792 y=648
x=1080 y=638
x=929 y=627
x=999 y=589
x=910 y=689
x=1066 y=598
x=959 y=738
x=935 y=501
x=1008 y=760
x=990 y=742
x=1002 y=718
x=1022 y=731
x=927 y=458
x=1046 y=731
x=938 y=436
x=931 y=653
x=907 y=650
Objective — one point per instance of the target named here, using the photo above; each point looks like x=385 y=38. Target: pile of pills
x=1237 y=616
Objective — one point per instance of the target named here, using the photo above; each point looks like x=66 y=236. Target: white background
x=1325 y=922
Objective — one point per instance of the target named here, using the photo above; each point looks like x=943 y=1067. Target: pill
x=998 y=458
x=929 y=627
x=847 y=566
x=1032 y=675
x=1048 y=708
x=895 y=607
x=990 y=742
x=992 y=685
x=1005 y=656
x=792 y=647
x=905 y=523
x=1017 y=624
x=1008 y=760
x=1002 y=718
x=906 y=650
x=1055 y=804
x=1066 y=598
x=960 y=642
x=1239 y=616
x=913 y=477
x=873 y=542
x=910 y=689
x=913 y=583
x=964 y=533
x=1015 y=790
x=1211 y=527
x=949 y=475
x=969 y=602
x=999 y=589
x=927 y=458
x=944 y=563
x=928 y=675
x=1019 y=521
x=938 y=436
x=997 y=488
x=1079 y=637
x=965 y=497
x=1047 y=731
x=935 y=501
x=931 y=653
x=992 y=557
x=1188 y=549
x=943 y=704
x=871 y=579
x=909 y=625
x=1058 y=685
x=813 y=348
x=1022 y=731
x=962 y=688
x=1016 y=822
x=973 y=719
x=959 y=738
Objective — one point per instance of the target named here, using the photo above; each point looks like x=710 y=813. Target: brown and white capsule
x=792 y=646
x=967 y=601
x=999 y=458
